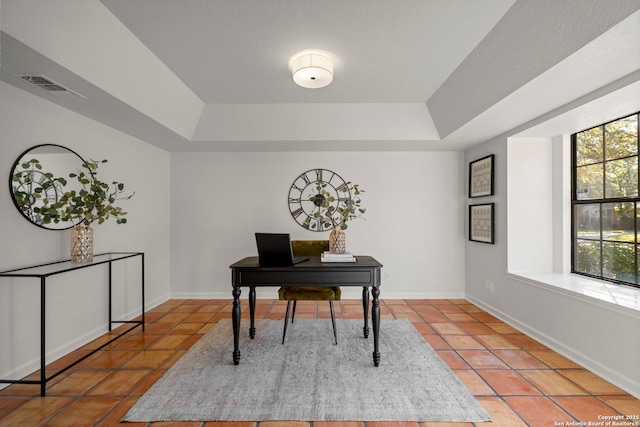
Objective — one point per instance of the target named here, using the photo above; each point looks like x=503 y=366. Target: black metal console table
x=43 y=271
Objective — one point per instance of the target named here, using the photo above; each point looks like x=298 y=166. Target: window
x=606 y=202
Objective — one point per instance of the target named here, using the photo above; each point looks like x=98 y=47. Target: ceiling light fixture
x=312 y=71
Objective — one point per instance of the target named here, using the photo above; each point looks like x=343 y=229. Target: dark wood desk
x=249 y=273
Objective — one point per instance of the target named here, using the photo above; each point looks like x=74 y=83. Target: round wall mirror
x=39 y=178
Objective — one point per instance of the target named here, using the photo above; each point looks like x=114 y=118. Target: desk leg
x=252 y=311
x=365 y=310
x=235 y=316
x=375 y=319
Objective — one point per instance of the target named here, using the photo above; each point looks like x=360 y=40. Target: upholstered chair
x=309 y=293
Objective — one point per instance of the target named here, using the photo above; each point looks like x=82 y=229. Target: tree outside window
x=606 y=202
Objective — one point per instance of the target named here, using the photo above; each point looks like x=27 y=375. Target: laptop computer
x=274 y=249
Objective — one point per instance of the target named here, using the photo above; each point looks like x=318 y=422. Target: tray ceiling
x=203 y=75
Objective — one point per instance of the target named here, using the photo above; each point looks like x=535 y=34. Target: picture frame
x=481 y=223
x=481 y=177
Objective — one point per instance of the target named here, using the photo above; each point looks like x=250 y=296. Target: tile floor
x=519 y=381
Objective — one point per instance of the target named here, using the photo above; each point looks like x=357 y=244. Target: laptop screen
x=274 y=249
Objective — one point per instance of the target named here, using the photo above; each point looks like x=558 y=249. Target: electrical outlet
x=488 y=286
x=387 y=276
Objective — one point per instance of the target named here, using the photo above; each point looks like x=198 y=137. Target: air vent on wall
x=50 y=86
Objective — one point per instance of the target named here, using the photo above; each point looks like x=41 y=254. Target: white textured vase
x=81 y=244
x=337 y=242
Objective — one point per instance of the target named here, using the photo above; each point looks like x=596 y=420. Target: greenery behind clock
x=93 y=201
x=336 y=216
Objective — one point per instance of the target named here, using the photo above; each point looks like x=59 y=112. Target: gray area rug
x=309 y=378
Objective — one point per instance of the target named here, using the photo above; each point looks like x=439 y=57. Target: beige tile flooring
x=519 y=381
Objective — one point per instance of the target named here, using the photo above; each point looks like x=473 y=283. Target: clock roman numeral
x=344 y=188
x=297 y=212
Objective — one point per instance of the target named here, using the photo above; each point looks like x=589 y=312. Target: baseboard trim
x=149 y=305
x=588 y=363
x=347 y=293
x=33 y=365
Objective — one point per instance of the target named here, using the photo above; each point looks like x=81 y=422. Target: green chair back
x=309 y=247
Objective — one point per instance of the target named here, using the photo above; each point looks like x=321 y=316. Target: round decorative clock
x=34 y=190
x=310 y=190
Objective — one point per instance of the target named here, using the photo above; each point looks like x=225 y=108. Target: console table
x=43 y=271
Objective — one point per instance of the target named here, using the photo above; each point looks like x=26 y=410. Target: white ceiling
x=213 y=75
x=237 y=52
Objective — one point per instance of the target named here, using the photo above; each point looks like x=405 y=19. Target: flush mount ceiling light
x=312 y=71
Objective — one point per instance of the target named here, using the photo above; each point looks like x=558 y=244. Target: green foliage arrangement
x=93 y=202
x=31 y=189
x=347 y=209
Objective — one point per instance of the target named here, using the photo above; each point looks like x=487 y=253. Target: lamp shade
x=312 y=71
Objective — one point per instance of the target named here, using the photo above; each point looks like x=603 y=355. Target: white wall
x=77 y=301
x=530 y=225
x=600 y=336
x=414 y=223
x=561 y=202
x=208 y=205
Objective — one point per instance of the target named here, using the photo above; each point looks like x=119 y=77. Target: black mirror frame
x=12 y=173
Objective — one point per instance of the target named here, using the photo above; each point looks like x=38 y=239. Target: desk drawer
x=341 y=278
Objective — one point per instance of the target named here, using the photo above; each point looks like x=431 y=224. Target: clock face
x=306 y=198
x=34 y=190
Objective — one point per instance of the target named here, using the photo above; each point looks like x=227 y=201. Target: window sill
x=595 y=291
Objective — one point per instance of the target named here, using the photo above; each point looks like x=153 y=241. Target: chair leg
x=286 y=320
x=333 y=321
x=295 y=302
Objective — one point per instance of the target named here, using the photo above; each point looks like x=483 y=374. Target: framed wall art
x=481 y=177
x=481 y=220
